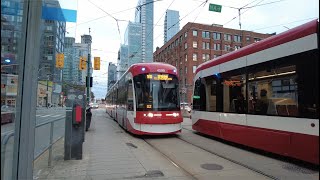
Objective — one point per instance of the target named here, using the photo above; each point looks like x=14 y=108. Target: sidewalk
x=109 y=153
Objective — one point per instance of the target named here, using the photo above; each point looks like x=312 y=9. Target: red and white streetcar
x=264 y=95
x=146 y=100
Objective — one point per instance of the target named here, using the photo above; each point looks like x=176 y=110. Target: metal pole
x=88 y=69
x=239 y=18
x=47 y=92
x=50 y=145
x=88 y=77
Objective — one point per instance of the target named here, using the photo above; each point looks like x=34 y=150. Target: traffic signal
x=82 y=63
x=96 y=63
x=60 y=60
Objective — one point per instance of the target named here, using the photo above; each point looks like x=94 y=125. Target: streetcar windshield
x=157 y=92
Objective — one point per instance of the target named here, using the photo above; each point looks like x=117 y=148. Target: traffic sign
x=215 y=7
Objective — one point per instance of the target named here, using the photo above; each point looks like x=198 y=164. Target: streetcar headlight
x=143 y=69
x=175 y=114
x=150 y=115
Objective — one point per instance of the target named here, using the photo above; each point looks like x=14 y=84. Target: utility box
x=74 y=124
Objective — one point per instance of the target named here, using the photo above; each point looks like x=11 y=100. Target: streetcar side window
x=199 y=96
x=234 y=91
x=130 y=96
x=273 y=88
x=196 y=96
x=308 y=84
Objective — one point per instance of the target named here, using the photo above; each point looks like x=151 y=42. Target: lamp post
x=47 y=92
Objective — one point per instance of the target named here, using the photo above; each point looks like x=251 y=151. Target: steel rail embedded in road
x=171 y=161
x=229 y=159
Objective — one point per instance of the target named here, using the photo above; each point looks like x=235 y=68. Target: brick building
x=197 y=43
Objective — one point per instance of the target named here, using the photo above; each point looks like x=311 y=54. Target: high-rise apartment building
x=11 y=25
x=122 y=60
x=197 y=43
x=11 y=22
x=112 y=73
x=144 y=16
x=133 y=41
x=171 y=24
x=52 y=43
x=71 y=72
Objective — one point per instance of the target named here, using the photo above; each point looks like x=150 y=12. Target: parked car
x=94 y=105
x=7 y=114
x=185 y=106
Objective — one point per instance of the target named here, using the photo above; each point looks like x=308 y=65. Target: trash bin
x=88 y=118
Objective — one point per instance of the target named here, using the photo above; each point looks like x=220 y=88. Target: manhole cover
x=211 y=166
x=295 y=168
x=131 y=145
x=149 y=174
x=154 y=173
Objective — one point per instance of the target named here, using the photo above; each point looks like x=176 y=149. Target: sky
x=263 y=16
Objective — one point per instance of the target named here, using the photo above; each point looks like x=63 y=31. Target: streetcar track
x=171 y=161
x=229 y=159
x=211 y=152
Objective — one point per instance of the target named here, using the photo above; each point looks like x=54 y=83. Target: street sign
x=215 y=7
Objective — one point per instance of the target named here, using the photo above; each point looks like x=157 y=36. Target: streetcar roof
x=287 y=36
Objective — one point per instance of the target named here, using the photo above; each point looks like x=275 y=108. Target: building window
x=216 y=46
x=215 y=56
x=195 y=33
x=227 y=47
x=248 y=38
x=257 y=39
x=195 y=57
x=236 y=47
x=195 y=44
x=237 y=38
x=185 y=45
x=186 y=57
x=49 y=28
x=205 y=57
x=216 y=36
x=194 y=69
x=227 y=37
x=186 y=69
x=205 y=45
x=185 y=34
x=205 y=34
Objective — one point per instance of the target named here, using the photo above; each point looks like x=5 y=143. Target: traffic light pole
x=47 y=92
x=88 y=76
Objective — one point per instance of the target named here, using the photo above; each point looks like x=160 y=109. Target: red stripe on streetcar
x=300 y=146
